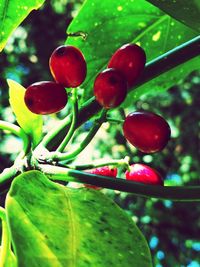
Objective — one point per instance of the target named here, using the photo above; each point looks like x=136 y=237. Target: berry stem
x=61 y=130
x=73 y=123
x=112 y=120
x=117 y=163
x=54 y=137
x=174 y=193
x=67 y=156
x=154 y=68
x=19 y=132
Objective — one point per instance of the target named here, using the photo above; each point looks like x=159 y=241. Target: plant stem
x=6 y=178
x=8 y=174
x=67 y=156
x=154 y=68
x=174 y=193
x=116 y=163
x=170 y=60
x=17 y=131
x=73 y=123
x=5 y=242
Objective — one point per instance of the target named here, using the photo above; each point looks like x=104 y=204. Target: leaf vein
x=73 y=229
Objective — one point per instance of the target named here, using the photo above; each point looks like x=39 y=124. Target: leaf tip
x=11 y=82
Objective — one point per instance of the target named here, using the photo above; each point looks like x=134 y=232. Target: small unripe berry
x=130 y=59
x=146 y=131
x=68 y=66
x=45 y=97
x=143 y=174
x=110 y=88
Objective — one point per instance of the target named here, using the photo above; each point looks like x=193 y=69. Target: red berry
x=45 y=97
x=104 y=171
x=68 y=66
x=146 y=131
x=144 y=174
x=110 y=88
x=130 y=59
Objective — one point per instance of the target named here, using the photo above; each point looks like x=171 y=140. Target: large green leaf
x=109 y=24
x=188 y=12
x=52 y=225
x=12 y=13
x=31 y=123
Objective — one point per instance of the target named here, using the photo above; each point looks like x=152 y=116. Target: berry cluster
x=145 y=130
x=124 y=68
x=68 y=67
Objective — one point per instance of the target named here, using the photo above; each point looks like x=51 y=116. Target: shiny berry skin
x=146 y=131
x=45 y=97
x=110 y=88
x=104 y=171
x=67 y=65
x=130 y=59
x=144 y=174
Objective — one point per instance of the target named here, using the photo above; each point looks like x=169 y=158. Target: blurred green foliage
x=172 y=229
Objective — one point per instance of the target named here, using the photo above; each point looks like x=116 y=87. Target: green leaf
x=12 y=13
x=52 y=225
x=10 y=260
x=110 y=24
x=187 y=12
x=31 y=123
